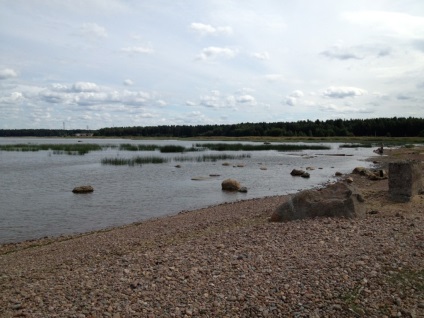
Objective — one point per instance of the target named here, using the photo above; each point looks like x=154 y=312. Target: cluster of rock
x=372 y=174
x=300 y=173
x=336 y=200
x=232 y=186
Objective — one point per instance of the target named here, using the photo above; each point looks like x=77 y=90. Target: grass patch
x=57 y=149
x=211 y=158
x=133 y=161
x=357 y=145
x=132 y=147
x=171 y=149
x=259 y=147
x=407 y=279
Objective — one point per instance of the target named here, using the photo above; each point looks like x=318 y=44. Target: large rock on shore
x=83 y=189
x=336 y=200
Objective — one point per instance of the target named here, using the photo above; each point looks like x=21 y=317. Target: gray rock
x=336 y=200
x=83 y=189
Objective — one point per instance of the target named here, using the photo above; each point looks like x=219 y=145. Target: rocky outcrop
x=405 y=180
x=230 y=185
x=371 y=174
x=83 y=189
x=336 y=200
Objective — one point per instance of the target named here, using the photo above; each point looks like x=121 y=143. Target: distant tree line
x=43 y=132
x=379 y=127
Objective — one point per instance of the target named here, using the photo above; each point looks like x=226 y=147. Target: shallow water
x=36 y=198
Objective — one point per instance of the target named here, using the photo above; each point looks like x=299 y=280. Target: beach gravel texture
x=228 y=261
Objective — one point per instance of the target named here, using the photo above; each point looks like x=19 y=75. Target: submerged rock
x=83 y=189
x=230 y=185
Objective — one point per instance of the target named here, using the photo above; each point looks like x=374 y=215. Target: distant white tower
x=63 y=125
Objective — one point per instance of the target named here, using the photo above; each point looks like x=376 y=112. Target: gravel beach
x=229 y=261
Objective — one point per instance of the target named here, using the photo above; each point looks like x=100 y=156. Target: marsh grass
x=132 y=147
x=211 y=158
x=57 y=149
x=172 y=148
x=357 y=145
x=133 y=161
x=259 y=147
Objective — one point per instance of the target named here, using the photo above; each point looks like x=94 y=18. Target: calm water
x=36 y=198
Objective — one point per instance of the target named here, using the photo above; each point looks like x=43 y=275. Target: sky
x=116 y=63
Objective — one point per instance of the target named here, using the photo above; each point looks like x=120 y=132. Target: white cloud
x=343 y=92
x=128 y=82
x=137 y=50
x=293 y=97
x=85 y=87
x=263 y=56
x=7 y=73
x=391 y=24
x=344 y=109
x=92 y=30
x=246 y=99
x=213 y=52
x=13 y=98
x=207 y=29
x=190 y=103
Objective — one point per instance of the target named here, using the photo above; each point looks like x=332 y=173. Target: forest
x=376 y=127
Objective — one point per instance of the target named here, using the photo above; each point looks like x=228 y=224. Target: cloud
x=343 y=92
x=292 y=98
x=213 y=52
x=93 y=95
x=207 y=29
x=263 y=56
x=273 y=77
x=7 y=73
x=137 y=50
x=85 y=87
x=92 y=30
x=359 y=52
x=391 y=24
x=190 y=103
x=246 y=99
x=13 y=98
x=344 y=109
x=128 y=82
x=341 y=53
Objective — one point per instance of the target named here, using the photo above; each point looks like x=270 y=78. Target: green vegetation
x=211 y=158
x=134 y=147
x=57 y=149
x=133 y=161
x=259 y=147
x=376 y=128
x=171 y=148
x=153 y=159
x=361 y=145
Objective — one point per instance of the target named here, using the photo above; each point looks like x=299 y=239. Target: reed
x=172 y=148
x=259 y=147
x=57 y=149
x=133 y=161
x=132 y=147
x=356 y=145
x=211 y=158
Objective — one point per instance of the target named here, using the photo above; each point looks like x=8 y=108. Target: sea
x=36 y=198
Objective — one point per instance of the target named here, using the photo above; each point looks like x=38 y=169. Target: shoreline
x=227 y=260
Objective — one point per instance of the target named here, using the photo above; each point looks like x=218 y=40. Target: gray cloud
x=343 y=92
x=7 y=73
